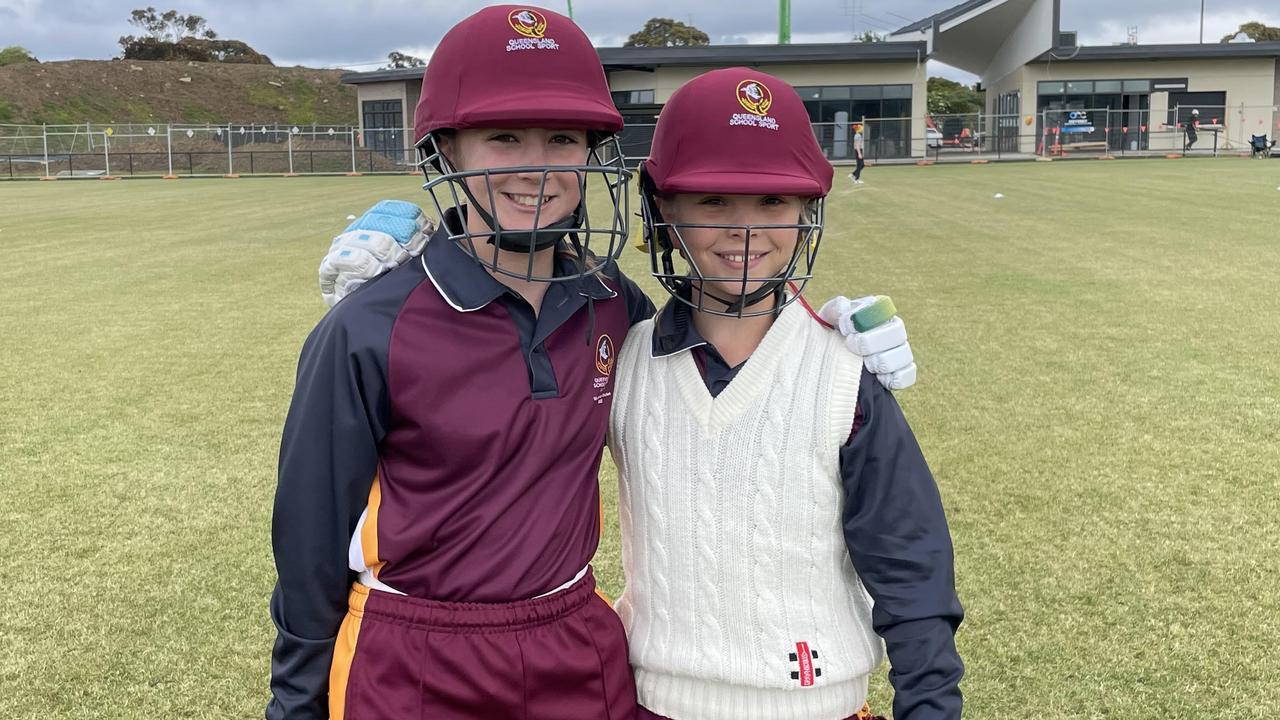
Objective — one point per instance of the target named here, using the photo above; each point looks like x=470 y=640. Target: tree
x=665 y=32
x=196 y=50
x=172 y=36
x=1256 y=31
x=169 y=26
x=948 y=97
x=397 y=60
x=869 y=37
x=14 y=55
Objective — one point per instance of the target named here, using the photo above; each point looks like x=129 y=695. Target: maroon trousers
x=562 y=657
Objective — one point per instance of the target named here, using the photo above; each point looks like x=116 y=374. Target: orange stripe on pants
x=344 y=652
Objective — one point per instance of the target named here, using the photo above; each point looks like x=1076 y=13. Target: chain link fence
x=199 y=150
x=236 y=149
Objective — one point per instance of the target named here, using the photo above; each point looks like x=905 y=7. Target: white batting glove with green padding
x=873 y=330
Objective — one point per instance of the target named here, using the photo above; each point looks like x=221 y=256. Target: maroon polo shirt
x=483 y=425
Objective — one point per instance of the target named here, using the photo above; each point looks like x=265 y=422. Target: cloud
x=340 y=33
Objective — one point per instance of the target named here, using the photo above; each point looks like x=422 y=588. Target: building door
x=384 y=128
x=1137 y=115
x=1008 y=111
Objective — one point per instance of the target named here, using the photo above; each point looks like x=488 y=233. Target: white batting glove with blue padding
x=385 y=237
x=873 y=331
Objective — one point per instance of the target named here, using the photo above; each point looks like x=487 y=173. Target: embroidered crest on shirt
x=606 y=356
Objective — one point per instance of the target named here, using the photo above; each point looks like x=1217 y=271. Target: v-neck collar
x=753 y=379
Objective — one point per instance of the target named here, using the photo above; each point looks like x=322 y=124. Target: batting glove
x=388 y=234
x=873 y=331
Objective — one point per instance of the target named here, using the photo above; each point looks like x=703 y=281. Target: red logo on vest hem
x=806 y=657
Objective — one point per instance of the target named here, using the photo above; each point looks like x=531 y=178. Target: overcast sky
x=359 y=35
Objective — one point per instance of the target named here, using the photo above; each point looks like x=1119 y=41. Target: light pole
x=1201 y=22
x=784 y=22
x=570 y=3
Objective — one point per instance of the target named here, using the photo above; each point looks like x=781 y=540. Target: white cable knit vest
x=741 y=601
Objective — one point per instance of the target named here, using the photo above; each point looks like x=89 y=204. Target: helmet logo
x=755 y=97
x=605 y=355
x=529 y=23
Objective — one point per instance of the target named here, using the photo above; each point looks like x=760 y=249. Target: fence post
x=353 y=151
x=44 y=135
x=230 y=142
x=168 y=141
x=290 y=151
x=106 y=152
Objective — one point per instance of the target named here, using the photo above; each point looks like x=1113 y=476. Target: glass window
x=632 y=97
x=815 y=109
x=895 y=108
x=838 y=92
x=866 y=109
x=865 y=92
x=1080 y=87
x=1137 y=86
x=831 y=108
x=1052 y=88
x=1107 y=86
x=897 y=92
x=809 y=93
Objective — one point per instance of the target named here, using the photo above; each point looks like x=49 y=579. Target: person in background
x=858 y=154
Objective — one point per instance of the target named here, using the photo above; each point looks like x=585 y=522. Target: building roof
x=942 y=17
x=632 y=58
x=619 y=58
x=1206 y=51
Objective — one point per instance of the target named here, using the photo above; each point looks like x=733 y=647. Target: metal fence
x=235 y=149
x=191 y=150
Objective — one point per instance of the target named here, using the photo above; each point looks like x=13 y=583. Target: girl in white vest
x=780 y=527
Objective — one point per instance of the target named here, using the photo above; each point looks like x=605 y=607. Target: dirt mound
x=78 y=91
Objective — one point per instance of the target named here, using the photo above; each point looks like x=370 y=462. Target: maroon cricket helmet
x=737 y=131
x=515 y=66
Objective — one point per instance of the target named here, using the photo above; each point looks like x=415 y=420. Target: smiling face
x=517 y=199
x=734 y=261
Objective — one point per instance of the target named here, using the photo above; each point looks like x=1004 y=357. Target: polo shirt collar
x=673 y=329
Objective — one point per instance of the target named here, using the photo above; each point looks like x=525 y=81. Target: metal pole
x=570 y=3
x=1201 y=22
x=290 y=152
x=168 y=140
x=353 y=150
x=44 y=135
x=229 y=143
x=106 y=152
x=784 y=22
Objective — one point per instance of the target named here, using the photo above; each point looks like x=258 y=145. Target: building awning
x=989 y=38
x=1208 y=51
x=649 y=59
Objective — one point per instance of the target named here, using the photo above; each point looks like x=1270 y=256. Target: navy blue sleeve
x=901 y=548
x=328 y=458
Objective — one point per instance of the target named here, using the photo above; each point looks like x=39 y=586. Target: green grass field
x=1099 y=401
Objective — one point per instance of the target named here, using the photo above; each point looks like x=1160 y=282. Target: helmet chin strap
x=527 y=241
x=742 y=302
